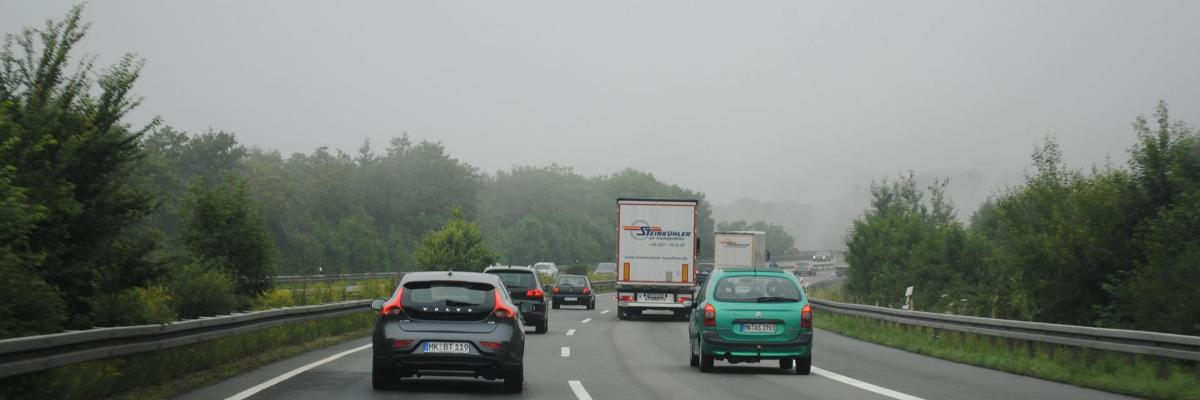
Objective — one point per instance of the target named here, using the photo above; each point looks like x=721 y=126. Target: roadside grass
x=170 y=372
x=291 y=294
x=1141 y=376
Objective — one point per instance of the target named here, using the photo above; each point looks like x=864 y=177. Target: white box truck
x=740 y=249
x=656 y=255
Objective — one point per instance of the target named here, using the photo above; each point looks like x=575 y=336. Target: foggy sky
x=777 y=101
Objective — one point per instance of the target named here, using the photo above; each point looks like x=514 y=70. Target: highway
x=590 y=354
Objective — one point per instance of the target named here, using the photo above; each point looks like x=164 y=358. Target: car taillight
x=535 y=293
x=710 y=315
x=502 y=311
x=555 y=290
x=586 y=290
x=490 y=345
x=401 y=343
x=806 y=316
x=394 y=307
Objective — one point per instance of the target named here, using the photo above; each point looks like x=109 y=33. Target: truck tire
x=621 y=314
x=804 y=365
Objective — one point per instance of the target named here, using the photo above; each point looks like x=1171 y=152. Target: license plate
x=570 y=298
x=653 y=297
x=447 y=347
x=758 y=328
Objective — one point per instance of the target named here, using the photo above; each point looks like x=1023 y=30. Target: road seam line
x=571 y=332
x=276 y=380
x=864 y=385
x=566 y=351
x=580 y=392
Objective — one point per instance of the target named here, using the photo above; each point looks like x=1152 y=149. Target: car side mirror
x=377 y=305
x=689 y=304
x=526 y=308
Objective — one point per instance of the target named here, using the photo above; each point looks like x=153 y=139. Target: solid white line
x=580 y=392
x=571 y=332
x=275 y=381
x=604 y=312
x=566 y=351
x=864 y=386
x=587 y=320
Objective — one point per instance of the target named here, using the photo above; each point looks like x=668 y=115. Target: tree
x=226 y=229
x=457 y=246
x=73 y=156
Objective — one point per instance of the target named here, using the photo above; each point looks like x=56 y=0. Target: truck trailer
x=656 y=255
x=740 y=249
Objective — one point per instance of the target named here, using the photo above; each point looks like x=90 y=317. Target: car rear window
x=516 y=279
x=577 y=281
x=448 y=300
x=756 y=288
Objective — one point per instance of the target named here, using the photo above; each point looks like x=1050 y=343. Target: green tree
x=73 y=157
x=457 y=246
x=225 y=228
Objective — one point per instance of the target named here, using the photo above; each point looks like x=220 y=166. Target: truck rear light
x=501 y=310
x=394 y=307
x=555 y=290
x=806 y=316
x=535 y=293
x=490 y=345
x=625 y=298
x=710 y=315
x=401 y=343
x=587 y=291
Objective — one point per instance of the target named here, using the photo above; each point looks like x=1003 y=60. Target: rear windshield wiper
x=771 y=299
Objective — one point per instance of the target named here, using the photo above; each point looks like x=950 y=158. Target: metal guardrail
x=1118 y=340
x=335 y=277
x=35 y=353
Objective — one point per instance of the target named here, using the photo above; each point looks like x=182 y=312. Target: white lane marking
x=580 y=392
x=604 y=312
x=571 y=332
x=587 y=320
x=566 y=351
x=863 y=385
x=275 y=381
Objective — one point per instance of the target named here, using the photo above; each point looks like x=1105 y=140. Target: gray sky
x=769 y=100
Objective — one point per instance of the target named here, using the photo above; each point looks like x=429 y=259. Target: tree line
x=103 y=223
x=1112 y=246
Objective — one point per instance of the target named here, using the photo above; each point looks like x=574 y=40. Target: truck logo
x=733 y=244
x=640 y=230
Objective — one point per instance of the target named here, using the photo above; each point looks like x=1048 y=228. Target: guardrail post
x=1050 y=349
x=1030 y=348
x=1128 y=358
x=1163 y=370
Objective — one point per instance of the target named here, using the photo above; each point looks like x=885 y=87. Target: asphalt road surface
x=590 y=354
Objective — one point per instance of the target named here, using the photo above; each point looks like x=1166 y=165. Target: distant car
x=822 y=257
x=546 y=269
x=805 y=268
x=574 y=290
x=702 y=271
x=747 y=315
x=448 y=323
x=606 y=268
x=524 y=288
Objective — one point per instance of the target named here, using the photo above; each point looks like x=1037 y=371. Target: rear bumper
x=712 y=343
x=415 y=364
x=651 y=306
x=580 y=299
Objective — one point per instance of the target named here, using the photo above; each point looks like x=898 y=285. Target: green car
x=747 y=315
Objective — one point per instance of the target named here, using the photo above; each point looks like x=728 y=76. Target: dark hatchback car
x=448 y=324
x=524 y=288
x=574 y=290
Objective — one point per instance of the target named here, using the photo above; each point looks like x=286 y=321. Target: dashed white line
x=571 y=332
x=863 y=385
x=275 y=381
x=587 y=320
x=566 y=351
x=604 y=312
x=580 y=392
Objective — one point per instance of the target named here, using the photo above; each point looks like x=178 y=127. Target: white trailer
x=656 y=255
x=740 y=249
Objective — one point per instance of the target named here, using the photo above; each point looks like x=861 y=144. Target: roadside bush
x=576 y=269
x=30 y=305
x=202 y=290
x=135 y=306
x=276 y=298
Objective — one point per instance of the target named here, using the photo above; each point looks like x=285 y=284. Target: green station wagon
x=750 y=315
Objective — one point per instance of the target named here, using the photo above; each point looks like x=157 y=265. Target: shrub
x=135 y=306
x=202 y=290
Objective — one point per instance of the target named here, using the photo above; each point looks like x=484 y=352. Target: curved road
x=591 y=354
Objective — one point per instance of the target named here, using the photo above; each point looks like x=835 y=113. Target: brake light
x=394 y=307
x=490 y=345
x=710 y=315
x=401 y=343
x=535 y=293
x=806 y=316
x=556 y=290
x=502 y=310
x=586 y=290
x=625 y=297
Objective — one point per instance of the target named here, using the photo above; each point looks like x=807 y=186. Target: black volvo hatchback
x=449 y=324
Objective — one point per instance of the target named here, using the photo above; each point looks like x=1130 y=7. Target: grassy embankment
x=1140 y=376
